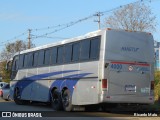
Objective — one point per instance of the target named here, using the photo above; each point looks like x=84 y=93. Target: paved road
x=60 y=115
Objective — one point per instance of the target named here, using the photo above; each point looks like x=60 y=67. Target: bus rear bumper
x=127 y=99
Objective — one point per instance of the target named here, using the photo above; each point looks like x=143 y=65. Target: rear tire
x=56 y=101
x=67 y=101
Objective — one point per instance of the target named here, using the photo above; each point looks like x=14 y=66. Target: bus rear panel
x=128 y=68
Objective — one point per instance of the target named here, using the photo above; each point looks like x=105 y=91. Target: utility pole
x=29 y=38
x=99 y=14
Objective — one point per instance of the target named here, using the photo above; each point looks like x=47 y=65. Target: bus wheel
x=67 y=101
x=17 y=99
x=56 y=100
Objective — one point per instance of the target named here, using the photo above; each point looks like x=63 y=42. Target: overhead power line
x=67 y=25
x=16 y=37
x=60 y=27
x=64 y=26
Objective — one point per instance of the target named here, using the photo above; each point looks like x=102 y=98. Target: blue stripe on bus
x=41 y=76
x=70 y=82
x=21 y=84
x=59 y=83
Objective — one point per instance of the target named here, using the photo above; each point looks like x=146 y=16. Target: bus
x=105 y=67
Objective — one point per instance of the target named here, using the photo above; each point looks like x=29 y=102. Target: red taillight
x=1 y=93
x=104 y=83
x=152 y=85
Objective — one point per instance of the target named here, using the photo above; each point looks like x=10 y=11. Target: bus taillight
x=152 y=85
x=104 y=83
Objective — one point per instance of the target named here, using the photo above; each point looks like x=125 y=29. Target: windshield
x=15 y=63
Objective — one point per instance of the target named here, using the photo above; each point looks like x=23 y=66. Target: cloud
x=8 y=16
x=18 y=17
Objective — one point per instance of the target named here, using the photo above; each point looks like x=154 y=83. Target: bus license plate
x=130 y=88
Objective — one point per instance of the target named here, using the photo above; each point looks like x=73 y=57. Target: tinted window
x=30 y=59
x=15 y=63
x=95 y=45
x=21 y=61
x=60 y=55
x=54 y=55
x=25 y=60
x=47 y=57
x=41 y=57
x=68 y=53
x=7 y=86
x=35 y=58
x=76 y=48
x=85 y=47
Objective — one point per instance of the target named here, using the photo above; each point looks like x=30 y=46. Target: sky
x=17 y=16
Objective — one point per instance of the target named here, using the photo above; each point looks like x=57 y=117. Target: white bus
x=105 y=67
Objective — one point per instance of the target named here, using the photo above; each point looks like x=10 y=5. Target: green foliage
x=6 y=80
x=3 y=72
x=157 y=85
x=157 y=77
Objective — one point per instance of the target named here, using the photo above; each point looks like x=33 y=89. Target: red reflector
x=152 y=85
x=108 y=97
x=104 y=83
x=109 y=29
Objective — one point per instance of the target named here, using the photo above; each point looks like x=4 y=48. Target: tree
x=8 y=52
x=11 y=48
x=135 y=17
x=3 y=72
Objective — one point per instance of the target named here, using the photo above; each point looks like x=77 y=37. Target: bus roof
x=88 y=35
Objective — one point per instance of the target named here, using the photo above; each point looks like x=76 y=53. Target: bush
x=157 y=85
x=6 y=80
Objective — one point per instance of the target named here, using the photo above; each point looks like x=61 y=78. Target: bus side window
x=68 y=53
x=47 y=57
x=26 y=60
x=30 y=60
x=95 y=45
x=41 y=58
x=53 y=55
x=35 y=59
x=85 y=50
x=21 y=61
x=60 y=55
x=76 y=51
